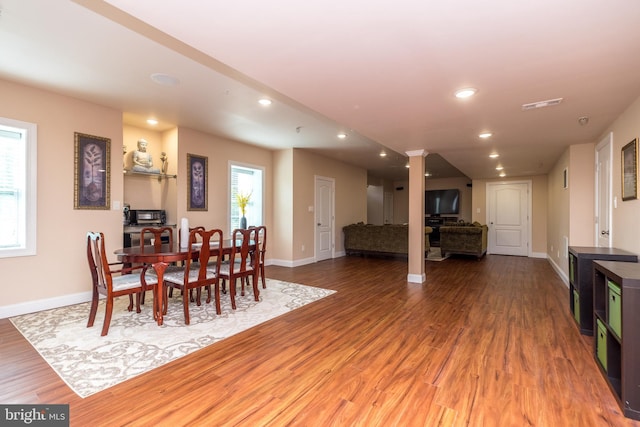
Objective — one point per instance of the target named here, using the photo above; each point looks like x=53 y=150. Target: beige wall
x=350 y=199
x=625 y=230
x=572 y=211
x=401 y=197
x=61 y=230
x=60 y=266
x=538 y=207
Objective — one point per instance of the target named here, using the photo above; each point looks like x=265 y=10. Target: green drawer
x=572 y=261
x=576 y=306
x=615 y=300
x=601 y=344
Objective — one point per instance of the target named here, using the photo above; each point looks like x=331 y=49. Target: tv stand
x=436 y=222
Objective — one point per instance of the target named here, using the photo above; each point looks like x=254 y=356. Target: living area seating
x=464 y=239
x=389 y=239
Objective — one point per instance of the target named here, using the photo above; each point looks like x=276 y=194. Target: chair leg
x=256 y=291
x=185 y=303
x=107 y=317
x=264 y=285
x=232 y=292
x=130 y=308
x=216 y=289
x=139 y=298
x=94 y=309
x=208 y=294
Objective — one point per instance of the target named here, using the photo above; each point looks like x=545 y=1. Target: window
x=17 y=188
x=246 y=181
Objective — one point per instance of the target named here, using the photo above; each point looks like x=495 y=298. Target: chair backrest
x=202 y=254
x=241 y=249
x=98 y=264
x=261 y=242
x=191 y=237
x=157 y=233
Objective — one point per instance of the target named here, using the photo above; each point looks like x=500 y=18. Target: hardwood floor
x=481 y=343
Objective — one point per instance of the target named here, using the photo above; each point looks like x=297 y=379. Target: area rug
x=435 y=255
x=89 y=363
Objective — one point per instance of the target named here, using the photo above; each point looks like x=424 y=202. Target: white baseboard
x=43 y=304
x=416 y=278
x=558 y=270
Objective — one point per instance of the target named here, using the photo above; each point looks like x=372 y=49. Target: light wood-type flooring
x=487 y=342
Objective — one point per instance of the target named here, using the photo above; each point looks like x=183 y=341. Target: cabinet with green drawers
x=581 y=277
x=616 y=314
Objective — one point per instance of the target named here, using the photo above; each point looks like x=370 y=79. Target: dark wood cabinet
x=616 y=312
x=581 y=280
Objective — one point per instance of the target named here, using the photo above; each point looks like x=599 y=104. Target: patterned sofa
x=463 y=238
x=390 y=239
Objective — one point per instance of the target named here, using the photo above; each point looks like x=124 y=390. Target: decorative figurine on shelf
x=142 y=161
x=163 y=158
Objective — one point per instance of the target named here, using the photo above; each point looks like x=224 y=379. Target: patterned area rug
x=89 y=363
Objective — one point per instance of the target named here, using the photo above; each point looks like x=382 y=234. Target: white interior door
x=603 y=192
x=324 y=188
x=508 y=218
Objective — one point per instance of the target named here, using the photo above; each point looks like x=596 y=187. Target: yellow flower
x=243 y=200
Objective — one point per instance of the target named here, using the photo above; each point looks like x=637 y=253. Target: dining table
x=160 y=259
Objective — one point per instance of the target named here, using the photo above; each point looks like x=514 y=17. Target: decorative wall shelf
x=160 y=176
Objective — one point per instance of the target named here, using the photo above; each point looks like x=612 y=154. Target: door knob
x=604 y=232
x=319 y=224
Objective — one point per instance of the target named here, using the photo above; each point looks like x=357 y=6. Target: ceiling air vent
x=541 y=104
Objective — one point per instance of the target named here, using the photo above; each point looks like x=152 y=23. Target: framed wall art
x=197 y=196
x=630 y=170
x=92 y=165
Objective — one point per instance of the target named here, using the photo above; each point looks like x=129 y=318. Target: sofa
x=390 y=239
x=464 y=239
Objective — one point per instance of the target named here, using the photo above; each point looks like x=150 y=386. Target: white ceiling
x=383 y=73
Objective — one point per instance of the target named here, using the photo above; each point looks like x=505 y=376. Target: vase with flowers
x=242 y=199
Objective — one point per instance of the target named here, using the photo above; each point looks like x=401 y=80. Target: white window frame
x=28 y=199
x=232 y=206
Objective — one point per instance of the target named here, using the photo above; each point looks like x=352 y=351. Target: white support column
x=416 y=216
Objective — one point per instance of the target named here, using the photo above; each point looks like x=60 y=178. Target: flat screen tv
x=442 y=202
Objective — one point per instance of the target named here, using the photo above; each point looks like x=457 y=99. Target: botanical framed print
x=197 y=167
x=92 y=176
x=630 y=170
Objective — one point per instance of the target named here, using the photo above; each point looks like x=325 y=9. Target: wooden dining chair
x=261 y=247
x=158 y=234
x=241 y=264
x=112 y=282
x=201 y=269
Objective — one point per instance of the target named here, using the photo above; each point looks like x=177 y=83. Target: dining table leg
x=158 y=298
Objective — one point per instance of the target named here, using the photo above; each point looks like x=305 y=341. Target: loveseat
x=390 y=239
x=464 y=239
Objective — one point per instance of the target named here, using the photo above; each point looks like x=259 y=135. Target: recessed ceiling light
x=485 y=135
x=494 y=155
x=383 y=154
x=164 y=79
x=427 y=174
x=466 y=92
x=502 y=174
x=342 y=135
x=499 y=168
x=265 y=101
x=152 y=122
